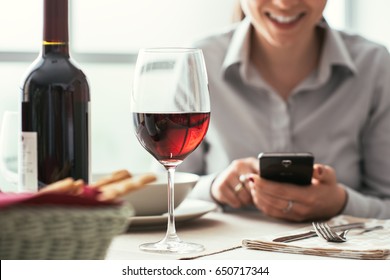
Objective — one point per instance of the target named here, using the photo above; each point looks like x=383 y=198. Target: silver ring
x=241 y=184
x=289 y=206
x=238 y=187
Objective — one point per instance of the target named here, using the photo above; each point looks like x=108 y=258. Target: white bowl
x=153 y=198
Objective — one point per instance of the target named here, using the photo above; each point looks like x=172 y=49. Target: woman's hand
x=323 y=199
x=227 y=188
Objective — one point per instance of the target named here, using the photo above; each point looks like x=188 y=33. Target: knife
x=312 y=233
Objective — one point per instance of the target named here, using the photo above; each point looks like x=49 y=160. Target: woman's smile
x=284 y=19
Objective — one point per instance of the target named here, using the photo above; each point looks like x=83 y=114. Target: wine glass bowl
x=9 y=148
x=171 y=137
x=171 y=112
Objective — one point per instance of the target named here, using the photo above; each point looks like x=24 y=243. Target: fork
x=329 y=234
x=324 y=230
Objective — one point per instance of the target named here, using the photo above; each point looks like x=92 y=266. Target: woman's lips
x=283 y=21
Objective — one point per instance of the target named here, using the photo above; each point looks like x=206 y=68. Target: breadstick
x=112 y=178
x=62 y=186
x=115 y=190
x=77 y=188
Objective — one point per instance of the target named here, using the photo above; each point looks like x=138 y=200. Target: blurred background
x=105 y=36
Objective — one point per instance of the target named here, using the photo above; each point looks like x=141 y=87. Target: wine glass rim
x=170 y=49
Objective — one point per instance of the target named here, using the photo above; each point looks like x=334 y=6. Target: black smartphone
x=295 y=168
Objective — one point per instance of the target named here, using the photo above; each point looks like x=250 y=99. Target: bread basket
x=37 y=232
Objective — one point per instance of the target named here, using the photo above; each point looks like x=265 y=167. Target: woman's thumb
x=324 y=173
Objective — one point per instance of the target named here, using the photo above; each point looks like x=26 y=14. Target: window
x=123 y=26
x=105 y=43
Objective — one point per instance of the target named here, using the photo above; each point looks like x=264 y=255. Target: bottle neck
x=55 y=27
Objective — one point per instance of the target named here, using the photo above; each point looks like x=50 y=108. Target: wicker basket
x=60 y=232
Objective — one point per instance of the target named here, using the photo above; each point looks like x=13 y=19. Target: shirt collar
x=238 y=50
x=335 y=52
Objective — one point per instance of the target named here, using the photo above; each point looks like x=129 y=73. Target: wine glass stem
x=171 y=229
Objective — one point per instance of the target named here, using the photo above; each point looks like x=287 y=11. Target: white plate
x=189 y=209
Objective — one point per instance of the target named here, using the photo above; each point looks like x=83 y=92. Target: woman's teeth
x=283 y=19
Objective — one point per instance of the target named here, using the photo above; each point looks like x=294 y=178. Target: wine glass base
x=172 y=247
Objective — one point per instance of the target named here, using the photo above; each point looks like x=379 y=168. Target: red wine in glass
x=171 y=137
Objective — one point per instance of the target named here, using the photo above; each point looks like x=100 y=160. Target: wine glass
x=9 y=149
x=171 y=111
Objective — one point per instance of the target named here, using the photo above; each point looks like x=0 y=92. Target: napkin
x=87 y=198
x=373 y=245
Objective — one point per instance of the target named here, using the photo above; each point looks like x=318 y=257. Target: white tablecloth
x=216 y=231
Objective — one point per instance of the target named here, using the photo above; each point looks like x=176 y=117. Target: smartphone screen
x=294 y=168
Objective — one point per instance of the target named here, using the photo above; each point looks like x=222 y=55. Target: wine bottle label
x=28 y=170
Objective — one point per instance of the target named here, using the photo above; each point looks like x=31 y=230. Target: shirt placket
x=279 y=124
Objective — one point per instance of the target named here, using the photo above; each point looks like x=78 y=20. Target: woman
x=282 y=80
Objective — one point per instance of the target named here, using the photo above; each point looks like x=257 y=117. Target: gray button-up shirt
x=340 y=113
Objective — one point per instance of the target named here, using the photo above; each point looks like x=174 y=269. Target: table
x=216 y=231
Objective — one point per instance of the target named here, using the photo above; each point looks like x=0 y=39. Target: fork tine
x=319 y=231
x=326 y=231
x=333 y=236
x=338 y=237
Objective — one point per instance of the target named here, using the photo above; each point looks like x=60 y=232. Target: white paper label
x=28 y=165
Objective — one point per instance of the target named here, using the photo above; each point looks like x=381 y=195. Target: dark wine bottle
x=55 y=105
